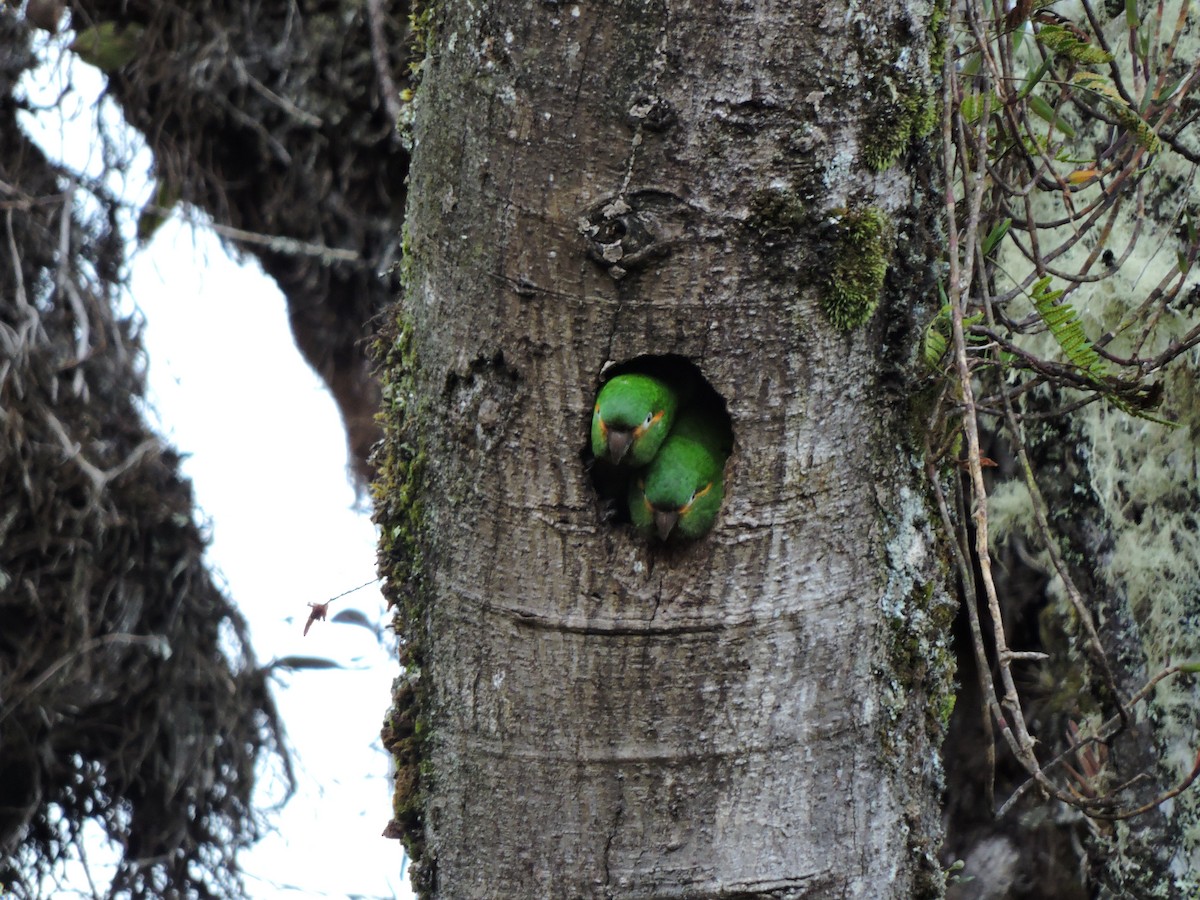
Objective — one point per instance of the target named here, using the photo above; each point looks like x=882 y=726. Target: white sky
x=268 y=463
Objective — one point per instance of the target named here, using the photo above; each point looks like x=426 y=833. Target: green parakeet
x=633 y=415
x=680 y=492
x=109 y=45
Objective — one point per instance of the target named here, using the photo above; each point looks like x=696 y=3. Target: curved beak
x=619 y=442
x=664 y=521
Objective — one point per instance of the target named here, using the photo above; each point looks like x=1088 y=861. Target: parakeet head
x=632 y=417
x=680 y=492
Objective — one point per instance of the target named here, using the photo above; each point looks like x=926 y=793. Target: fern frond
x=1068 y=43
x=1064 y=325
x=937 y=334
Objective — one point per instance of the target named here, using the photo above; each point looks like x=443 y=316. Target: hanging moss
x=132 y=703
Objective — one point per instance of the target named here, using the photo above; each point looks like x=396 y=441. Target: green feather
x=110 y=45
x=633 y=416
x=680 y=493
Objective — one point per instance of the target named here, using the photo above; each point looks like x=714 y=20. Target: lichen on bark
x=397 y=491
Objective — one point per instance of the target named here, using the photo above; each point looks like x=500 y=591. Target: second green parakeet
x=679 y=494
x=633 y=415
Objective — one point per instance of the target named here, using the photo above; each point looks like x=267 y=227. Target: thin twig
x=99 y=477
x=379 y=56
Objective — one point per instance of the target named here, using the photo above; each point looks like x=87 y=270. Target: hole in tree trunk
x=659 y=439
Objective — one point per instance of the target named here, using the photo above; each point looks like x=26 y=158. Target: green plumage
x=679 y=494
x=109 y=45
x=633 y=416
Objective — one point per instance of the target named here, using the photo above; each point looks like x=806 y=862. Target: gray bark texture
x=586 y=715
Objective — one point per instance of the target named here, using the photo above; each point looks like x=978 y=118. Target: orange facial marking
x=639 y=430
x=696 y=496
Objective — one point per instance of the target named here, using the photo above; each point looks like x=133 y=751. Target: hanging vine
x=1052 y=134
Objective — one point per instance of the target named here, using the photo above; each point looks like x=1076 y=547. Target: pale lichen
x=918 y=677
x=1140 y=482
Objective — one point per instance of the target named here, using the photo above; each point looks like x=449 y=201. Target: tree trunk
x=587 y=714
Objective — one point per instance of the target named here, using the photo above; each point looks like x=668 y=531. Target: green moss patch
x=400 y=518
x=900 y=114
x=864 y=242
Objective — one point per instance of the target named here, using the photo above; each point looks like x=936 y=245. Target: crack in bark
x=612 y=833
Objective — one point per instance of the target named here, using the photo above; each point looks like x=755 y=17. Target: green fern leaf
x=937 y=334
x=1066 y=328
x=1065 y=41
x=995 y=236
x=934 y=347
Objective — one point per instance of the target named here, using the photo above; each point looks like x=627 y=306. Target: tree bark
x=758 y=713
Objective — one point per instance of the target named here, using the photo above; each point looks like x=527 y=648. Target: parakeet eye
x=648 y=421
x=692 y=499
